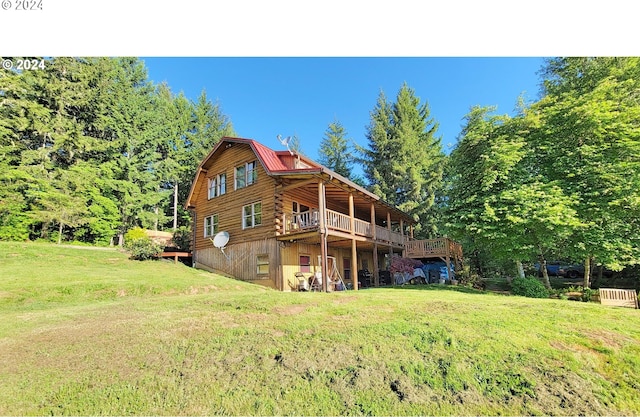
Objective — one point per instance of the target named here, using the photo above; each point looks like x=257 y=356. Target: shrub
x=182 y=238
x=403 y=265
x=467 y=277
x=529 y=287
x=143 y=249
x=140 y=246
x=133 y=234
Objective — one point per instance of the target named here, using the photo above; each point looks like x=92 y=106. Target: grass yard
x=88 y=332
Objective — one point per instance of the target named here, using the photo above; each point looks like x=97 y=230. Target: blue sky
x=300 y=96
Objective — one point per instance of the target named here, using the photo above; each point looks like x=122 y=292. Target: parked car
x=553 y=268
x=571 y=271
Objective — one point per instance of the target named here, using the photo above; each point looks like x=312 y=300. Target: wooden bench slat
x=618 y=297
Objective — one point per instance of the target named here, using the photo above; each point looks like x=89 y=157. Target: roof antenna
x=285 y=142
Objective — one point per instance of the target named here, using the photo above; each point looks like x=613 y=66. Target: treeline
x=90 y=148
x=559 y=180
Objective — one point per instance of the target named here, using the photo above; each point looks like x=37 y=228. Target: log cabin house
x=290 y=218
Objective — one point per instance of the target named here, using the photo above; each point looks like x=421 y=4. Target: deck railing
x=301 y=221
x=298 y=222
x=338 y=221
x=310 y=220
x=363 y=228
x=433 y=247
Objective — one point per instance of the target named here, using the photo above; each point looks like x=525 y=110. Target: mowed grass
x=89 y=332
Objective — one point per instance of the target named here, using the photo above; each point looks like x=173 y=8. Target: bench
x=619 y=298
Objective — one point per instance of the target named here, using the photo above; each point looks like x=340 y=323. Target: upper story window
x=246 y=174
x=252 y=215
x=217 y=185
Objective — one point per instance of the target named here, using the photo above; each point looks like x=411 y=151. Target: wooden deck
x=176 y=255
x=339 y=222
x=433 y=248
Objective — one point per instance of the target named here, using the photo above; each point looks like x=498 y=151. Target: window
x=246 y=174
x=251 y=215
x=217 y=185
x=210 y=225
x=305 y=263
x=252 y=173
x=263 y=264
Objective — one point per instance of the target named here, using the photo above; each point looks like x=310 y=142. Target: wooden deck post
x=402 y=234
x=389 y=228
x=354 y=251
x=448 y=256
x=376 y=267
x=376 y=272
x=322 y=206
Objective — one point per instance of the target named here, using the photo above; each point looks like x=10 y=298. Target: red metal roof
x=269 y=158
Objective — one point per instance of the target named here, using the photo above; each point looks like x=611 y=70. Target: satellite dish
x=285 y=142
x=220 y=240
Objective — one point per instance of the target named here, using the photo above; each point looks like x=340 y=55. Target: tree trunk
x=545 y=273
x=155 y=222
x=587 y=272
x=175 y=206
x=520 y=269
x=60 y=233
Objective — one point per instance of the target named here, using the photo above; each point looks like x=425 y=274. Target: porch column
x=376 y=267
x=354 y=252
x=448 y=256
x=402 y=233
x=389 y=228
x=376 y=272
x=323 y=235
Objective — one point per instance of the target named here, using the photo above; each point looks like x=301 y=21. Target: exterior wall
x=241 y=261
x=228 y=207
x=290 y=256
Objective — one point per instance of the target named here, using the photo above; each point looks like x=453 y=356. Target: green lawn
x=88 y=332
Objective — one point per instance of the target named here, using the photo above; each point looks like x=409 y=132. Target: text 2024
x=29 y=5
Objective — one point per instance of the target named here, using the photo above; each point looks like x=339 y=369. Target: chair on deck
x=303 y=284
x=316 y=281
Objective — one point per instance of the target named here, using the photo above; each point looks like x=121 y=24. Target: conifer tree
x=404 y=163
x=334 y=150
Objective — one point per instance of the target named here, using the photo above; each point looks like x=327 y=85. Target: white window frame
x=251 y=171
x=246 y=175
x=262 y=262
x=249 y=219
x=217 y=186
x=211 y=225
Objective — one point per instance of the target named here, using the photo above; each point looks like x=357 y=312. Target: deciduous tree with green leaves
x=588 y=142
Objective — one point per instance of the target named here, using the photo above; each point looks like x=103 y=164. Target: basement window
x=263 y=264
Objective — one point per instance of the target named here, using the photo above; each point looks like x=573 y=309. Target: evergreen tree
x=90 y=148
x=334 y=150
x=404 y=163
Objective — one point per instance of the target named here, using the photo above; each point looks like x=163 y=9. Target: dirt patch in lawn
x=292 y=309
x=344 y=300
